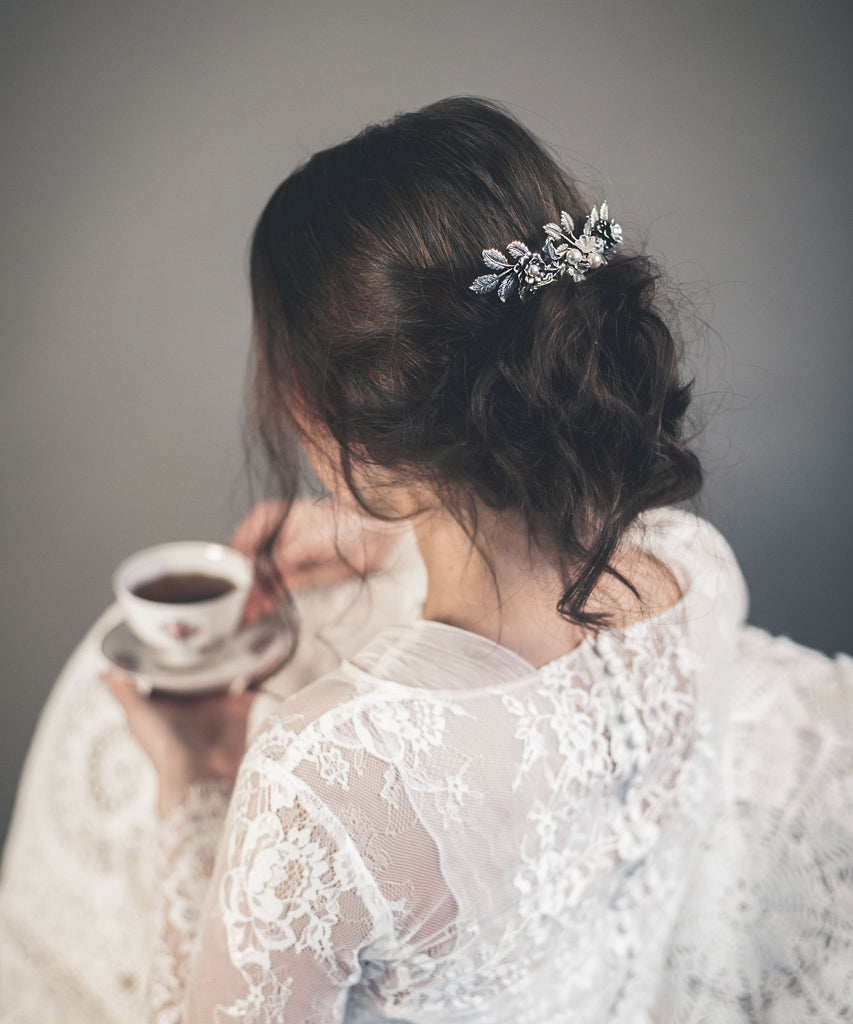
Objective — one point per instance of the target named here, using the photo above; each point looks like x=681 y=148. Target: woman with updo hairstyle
x=560 y=779
x=561 y=417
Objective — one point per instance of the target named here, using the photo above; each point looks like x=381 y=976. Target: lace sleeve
x=186 y=848
x=280 y=924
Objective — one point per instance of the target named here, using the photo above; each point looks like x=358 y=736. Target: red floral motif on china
x=180 y=630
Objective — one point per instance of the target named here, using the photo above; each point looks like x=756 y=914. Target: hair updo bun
x=567 y=408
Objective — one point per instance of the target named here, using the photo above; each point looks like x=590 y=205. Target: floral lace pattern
x=187 y=844
x=657 y=823
x=417 y=838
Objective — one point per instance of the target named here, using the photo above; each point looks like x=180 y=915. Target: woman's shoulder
x=334 y=708
x=684 y=536
x=698 y=555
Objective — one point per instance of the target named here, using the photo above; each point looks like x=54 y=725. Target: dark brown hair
x=567 y=408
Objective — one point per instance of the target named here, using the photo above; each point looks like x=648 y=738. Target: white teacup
x=184 y=600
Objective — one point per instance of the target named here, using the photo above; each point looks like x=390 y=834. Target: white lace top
x=437 y=831
x=658 y=825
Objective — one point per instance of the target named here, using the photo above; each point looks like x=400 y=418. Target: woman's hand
x=187 y=740
x=320 y=544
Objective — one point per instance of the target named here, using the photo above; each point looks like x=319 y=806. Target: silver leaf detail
x=517 y=249
x=486 y=283
x=506 y=287
x=495 y=259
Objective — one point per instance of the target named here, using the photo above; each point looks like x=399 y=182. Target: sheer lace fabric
x=657 y=823
x=437 y=825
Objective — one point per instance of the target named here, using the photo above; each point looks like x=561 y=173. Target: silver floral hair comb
x=563 y=253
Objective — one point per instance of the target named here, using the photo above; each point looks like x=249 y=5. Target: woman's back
x=489 y=841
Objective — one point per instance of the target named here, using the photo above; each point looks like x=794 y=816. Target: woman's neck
x=509 y=592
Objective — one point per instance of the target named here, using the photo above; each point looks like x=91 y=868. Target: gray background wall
x=141 y=140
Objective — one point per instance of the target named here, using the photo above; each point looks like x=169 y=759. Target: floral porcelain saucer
x=253 y=653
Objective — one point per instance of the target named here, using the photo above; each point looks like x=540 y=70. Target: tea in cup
x=184 y=600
